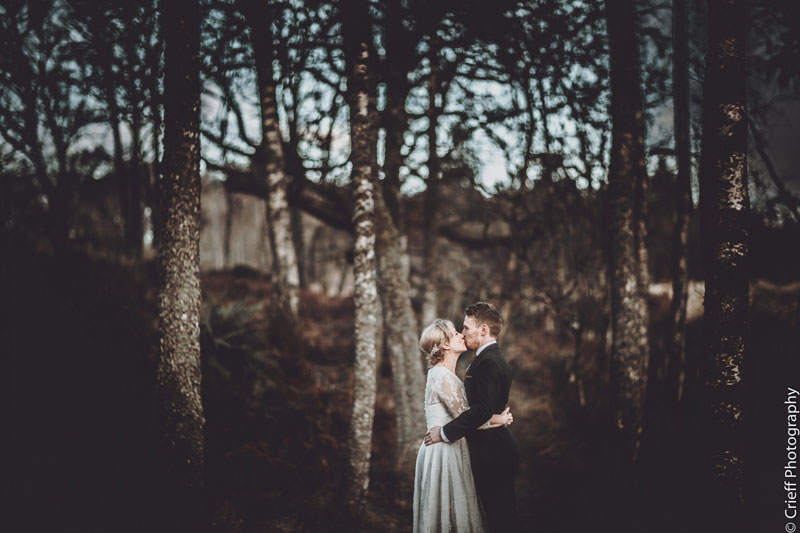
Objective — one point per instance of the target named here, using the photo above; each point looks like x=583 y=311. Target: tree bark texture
x=363 y=138
x=629 y=317
x=725 y=205
x=120 y=172
x=231 y=205
x=402 y=338
x=269 y=159
x=430 y=279
x=136 y=181
x=400 y=325
x=401 y=59
x=155 y=112
x=298 y=241
x=179 y=299
x=676 y=359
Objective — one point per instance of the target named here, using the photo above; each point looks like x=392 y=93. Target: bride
x=444 y=489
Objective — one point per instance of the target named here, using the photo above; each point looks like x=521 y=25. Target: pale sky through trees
x=493 y=165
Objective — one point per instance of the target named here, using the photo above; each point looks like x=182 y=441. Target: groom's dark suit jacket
x=487 y=384
x=493 y=452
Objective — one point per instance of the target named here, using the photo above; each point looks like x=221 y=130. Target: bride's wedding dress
x=444 y=490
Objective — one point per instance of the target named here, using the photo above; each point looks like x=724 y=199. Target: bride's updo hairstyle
x=434 y=337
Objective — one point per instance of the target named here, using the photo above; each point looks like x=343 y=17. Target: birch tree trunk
x=178 y=371
x=629 y=348
x=269 y=160
x=676 y=359
x=363 y=138
x=725 y=205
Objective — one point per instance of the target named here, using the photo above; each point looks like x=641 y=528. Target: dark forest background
x=225 y=223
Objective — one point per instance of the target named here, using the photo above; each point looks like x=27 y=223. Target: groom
x=493 y=452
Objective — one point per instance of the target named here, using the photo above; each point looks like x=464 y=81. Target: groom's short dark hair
x=486 y=313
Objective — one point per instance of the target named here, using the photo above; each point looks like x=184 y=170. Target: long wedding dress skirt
x=444 y=490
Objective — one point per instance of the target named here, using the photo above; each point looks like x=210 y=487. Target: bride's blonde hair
x=434 y=337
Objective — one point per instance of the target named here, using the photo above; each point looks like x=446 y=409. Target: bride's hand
x=508 y=416
x=503 y=419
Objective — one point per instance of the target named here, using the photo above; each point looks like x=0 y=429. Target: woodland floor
x=83 y=451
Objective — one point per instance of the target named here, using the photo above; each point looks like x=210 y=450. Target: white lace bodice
x=445 y=397
x=443 y=387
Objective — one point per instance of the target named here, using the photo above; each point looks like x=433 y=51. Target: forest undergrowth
x=81 y=340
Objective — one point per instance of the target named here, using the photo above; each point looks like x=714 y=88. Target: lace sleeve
x=451 y=394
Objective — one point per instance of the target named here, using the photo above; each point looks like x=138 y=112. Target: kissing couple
x=464 y=477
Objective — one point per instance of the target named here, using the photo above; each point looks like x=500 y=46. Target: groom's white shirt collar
x=483 y=346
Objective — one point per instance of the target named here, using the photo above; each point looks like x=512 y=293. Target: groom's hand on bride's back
x=433 y=436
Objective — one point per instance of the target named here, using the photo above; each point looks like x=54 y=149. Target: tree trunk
x=725 y=205
x=231 y=205
x=62 y=199
x=270 y=160
x=61 y=207
x=629 y=349
x=152 y=198
x=363 y=139
x=640 y=244
x=136 y=243
x=676 y=360
x=577 y=375
x=109 y=85
x=400 y=61
x=430 y=253
x=396 y=124
x=179 y=254
x=298 y=241
x=400 y=324
x=120 y=172
x=298 y=182
x=401 y=338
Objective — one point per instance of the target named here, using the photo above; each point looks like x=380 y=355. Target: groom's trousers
x=495 y=461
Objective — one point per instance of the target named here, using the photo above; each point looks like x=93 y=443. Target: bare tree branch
x=786 y=197
x=329 y=203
